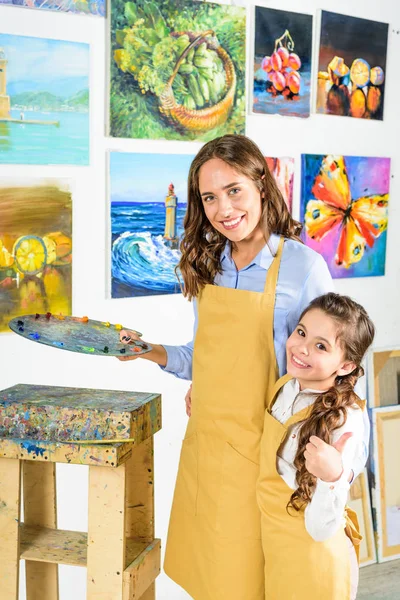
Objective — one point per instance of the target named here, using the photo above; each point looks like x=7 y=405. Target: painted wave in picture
x=87 y=7
x=142 y=260
x=148 y=204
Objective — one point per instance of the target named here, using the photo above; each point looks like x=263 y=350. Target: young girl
x=250 y=277
x=309 y=537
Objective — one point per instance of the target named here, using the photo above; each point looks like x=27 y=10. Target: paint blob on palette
x=77 y=334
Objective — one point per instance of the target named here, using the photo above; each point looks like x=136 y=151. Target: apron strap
x=277 y=386
x=352 y=530
x=273 y=271
x=361 y=403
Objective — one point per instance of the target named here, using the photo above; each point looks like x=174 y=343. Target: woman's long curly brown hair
x=355 y=333
x=202 y=245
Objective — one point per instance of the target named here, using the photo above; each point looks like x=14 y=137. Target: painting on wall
x=35 y=248
x=148 y=202
x=344 y=208
x=177 y=70
x=282 y=170
x=282 y=62
x=87 y=7
x=44 y=101
x=352 y=67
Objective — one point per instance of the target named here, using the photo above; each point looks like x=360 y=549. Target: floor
x=380 y=582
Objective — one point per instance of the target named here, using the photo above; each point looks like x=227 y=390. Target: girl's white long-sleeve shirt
x=324 y=515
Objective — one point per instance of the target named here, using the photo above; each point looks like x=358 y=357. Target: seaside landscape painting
x=148 y=202
x=44 y=101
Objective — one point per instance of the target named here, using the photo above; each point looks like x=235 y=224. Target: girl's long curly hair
x=355 y=333
x=202 y=245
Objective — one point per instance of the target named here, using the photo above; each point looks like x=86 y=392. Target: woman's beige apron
x=296 y=566
x=214 y=542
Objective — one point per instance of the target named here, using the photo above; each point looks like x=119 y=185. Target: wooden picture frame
x=383 y=370
x=386 y=492
x=360 y=502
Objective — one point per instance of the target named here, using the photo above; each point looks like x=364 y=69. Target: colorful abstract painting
x=44 y=101
x=344 y=208
x=283 y=171
x=35 y=248
x=177 y=70
x=282 y=62
x=352 y=67
x=87 y=7
x=148 y=202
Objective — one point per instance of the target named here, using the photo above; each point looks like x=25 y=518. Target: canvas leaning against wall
x=148 y=202
x=44 y=101
x=177 y=70
x=35 y=248
x=352 y=67
x=344 y=208
x=87 y=7
x=282 y=62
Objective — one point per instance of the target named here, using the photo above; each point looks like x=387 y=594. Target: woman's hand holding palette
x=77 y=334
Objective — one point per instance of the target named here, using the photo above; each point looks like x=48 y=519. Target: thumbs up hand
x=325 y=460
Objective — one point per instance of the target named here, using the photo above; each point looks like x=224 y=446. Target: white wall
x=168 y=319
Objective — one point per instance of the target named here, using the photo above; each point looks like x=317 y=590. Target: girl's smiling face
x=314 y=354
x=231 y=201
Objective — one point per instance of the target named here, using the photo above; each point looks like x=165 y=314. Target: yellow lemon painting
x=35 y=248
x=352 y=67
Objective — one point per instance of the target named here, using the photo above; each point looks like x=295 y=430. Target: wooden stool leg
x=139 y=524
x=106 y=543
x=150 y=593
x=40 y=509
x=140 y=493
x=10 y=496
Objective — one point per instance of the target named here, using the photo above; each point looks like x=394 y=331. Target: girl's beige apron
x=296 y=566
x=214 y=546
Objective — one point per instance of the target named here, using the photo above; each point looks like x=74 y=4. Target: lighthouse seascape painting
x=148 y=194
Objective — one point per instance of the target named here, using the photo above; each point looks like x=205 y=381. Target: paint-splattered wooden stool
x=40 y=426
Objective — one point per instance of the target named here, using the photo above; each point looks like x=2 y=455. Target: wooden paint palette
x=76 y=334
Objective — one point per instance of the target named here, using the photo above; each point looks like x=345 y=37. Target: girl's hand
x=325 y=460
x=188 y=401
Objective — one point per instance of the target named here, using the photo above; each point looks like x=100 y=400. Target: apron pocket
x=186 y=488
x=238 y=514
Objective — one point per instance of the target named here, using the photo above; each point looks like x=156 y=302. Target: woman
x=251 y=277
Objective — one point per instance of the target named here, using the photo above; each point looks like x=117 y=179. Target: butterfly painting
x=344 y=208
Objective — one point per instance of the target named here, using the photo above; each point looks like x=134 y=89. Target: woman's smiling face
x=231 y=201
